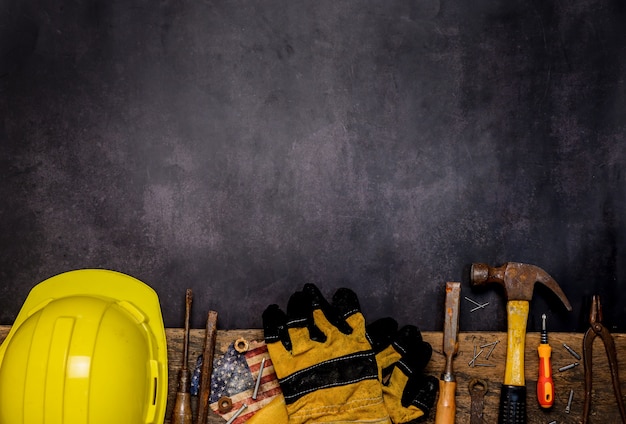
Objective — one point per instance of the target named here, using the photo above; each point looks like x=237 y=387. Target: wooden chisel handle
x=446 y=405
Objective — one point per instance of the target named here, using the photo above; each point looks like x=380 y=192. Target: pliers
x=597 y=329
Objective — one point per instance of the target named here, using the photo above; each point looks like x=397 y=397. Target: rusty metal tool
x=446 y=405
x=478 y=388
x=207 y=367
x=182 y=413
x=519 y=281
x=545 y=382
x=597 y=329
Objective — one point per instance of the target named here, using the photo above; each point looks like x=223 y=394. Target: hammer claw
x=518 y=280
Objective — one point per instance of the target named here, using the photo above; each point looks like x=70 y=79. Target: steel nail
x=570 y=350
x=492 y=348
x=567 y=367
x=258 y=380
x=236 y=414
x=476 y=355
x=569 y=402
x=472 y=300
x=479 y=307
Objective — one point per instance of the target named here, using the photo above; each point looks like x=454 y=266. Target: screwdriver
x=545 y=384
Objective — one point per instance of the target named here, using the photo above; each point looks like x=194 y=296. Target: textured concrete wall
x=244 y=148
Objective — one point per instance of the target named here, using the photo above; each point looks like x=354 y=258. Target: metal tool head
x=595 y=313
x=518 y=280
x=451 y=324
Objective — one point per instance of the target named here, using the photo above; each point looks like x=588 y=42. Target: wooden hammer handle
x=517 y=317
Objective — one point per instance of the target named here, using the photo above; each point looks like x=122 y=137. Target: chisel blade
x=451 y=321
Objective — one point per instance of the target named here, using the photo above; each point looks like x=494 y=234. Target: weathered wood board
x=604 y=407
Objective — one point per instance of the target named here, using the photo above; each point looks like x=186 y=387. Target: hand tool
x=519 y=281
x=182 y=406
x=597 y=329
x=207 y=367
x=545 y=383
x=478 y=388
x=446 y=405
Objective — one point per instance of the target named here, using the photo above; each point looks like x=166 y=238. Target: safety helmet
x=87 y=347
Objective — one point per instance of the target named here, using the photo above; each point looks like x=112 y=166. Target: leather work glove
x=325 y=364
x=408 y=393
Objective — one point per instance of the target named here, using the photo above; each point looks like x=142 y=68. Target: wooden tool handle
x=182 y=409
x=517 y=316
x=446 y=405
x=207 y=367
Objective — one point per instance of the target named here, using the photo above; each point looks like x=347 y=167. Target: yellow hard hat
x=87 y=347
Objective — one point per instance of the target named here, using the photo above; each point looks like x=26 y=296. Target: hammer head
x=518 y=280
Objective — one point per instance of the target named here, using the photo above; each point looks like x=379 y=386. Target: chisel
x=446 y=405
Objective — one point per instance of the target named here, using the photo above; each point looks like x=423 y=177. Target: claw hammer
x=519 y=281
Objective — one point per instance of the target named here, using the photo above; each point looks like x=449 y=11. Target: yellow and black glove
x=409 y=394
x=325 y=364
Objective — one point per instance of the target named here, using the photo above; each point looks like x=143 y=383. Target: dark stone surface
x=244 y=148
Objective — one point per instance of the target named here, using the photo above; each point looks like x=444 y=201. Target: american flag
x=235 y=375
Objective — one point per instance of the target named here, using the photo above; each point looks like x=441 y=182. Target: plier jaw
x=595 y=315
x=596 y=328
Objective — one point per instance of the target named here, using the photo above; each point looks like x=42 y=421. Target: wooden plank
x=604 y=407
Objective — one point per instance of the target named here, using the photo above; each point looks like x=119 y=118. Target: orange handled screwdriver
x=545 y=384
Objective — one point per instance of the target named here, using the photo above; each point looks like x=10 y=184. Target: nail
x=476 y=355
x=484 y=365
x=473 y=301
x=569 y=402
x=489 y=344
x=479 y=307
x=567 y=367
x=570 y=350
x=258 y=380
x=492 y=348
x=236 y=414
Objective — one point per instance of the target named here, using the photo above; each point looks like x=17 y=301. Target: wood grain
x=604 y=407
